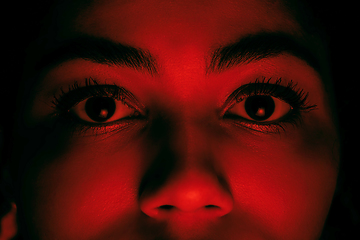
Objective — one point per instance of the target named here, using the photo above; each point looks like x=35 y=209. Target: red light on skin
x=190 y=192
x=181 y=170
x=8 y=224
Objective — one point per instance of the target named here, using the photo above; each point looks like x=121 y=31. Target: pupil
x=100 y=109
x=259 y=108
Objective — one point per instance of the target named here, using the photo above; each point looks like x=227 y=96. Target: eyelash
x=290 y=93
x=76 y=93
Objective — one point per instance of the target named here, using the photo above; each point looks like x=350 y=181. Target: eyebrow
x=256 y=47
x=100 y=50
x=246 y=50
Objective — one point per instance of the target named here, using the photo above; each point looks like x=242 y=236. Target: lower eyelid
x=259 y=128
x=82 y=129
x=293 y=118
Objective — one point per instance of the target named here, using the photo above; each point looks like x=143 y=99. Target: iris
x=260 y=107
x=100 y=109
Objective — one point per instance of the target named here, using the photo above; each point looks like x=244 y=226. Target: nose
x=198 y=193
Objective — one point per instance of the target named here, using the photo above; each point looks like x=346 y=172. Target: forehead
x=152 y=23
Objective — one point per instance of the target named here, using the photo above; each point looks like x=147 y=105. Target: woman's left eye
x=101 y=110
x=260 y=108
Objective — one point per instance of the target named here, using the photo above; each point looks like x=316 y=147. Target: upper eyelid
x=267 y=86
x=65 y=100
x=231 y=100
x=81 y=93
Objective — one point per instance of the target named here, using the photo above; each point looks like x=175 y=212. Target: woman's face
x=175 y=120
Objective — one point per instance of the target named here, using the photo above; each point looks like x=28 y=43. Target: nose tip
x=196 y=195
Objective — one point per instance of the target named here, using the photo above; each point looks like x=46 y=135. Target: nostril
x=166 y=207
x=169 y=207
x=211 y=206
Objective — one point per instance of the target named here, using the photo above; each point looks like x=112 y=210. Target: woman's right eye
x=102 y=110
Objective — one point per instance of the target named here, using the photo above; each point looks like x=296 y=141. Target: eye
x=260 y=108
x=101 y=109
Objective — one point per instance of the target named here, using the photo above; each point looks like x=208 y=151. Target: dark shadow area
x=165 y=159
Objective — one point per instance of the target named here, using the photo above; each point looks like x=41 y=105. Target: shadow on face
x=175 y=120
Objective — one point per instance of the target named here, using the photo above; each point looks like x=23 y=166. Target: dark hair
x=337 y=28
x=338 y=23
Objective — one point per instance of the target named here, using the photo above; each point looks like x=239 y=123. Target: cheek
x=85 y=191
x=282 y=181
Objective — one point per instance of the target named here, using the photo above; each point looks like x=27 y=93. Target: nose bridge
x=191 y=184
x=184 y=134
x=190 y=141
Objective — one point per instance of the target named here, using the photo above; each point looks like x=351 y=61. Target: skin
x=261 y=185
